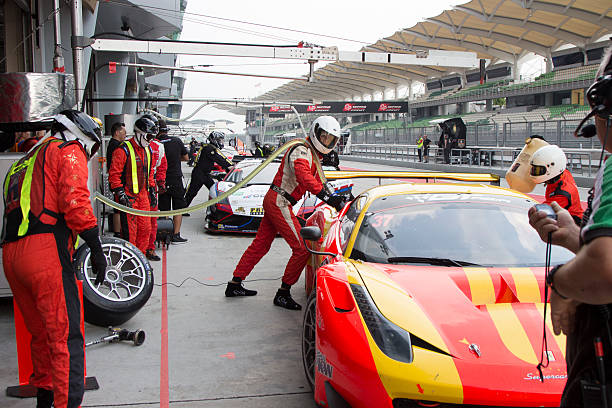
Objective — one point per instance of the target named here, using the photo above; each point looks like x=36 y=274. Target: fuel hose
x=223 y=196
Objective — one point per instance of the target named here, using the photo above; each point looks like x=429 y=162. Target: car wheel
x=309 y=336
x=126 y=289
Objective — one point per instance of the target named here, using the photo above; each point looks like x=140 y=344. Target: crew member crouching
x=548 y=166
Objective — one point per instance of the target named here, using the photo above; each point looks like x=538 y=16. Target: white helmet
x=329 y=125
x=546 y=163
x=76 y=125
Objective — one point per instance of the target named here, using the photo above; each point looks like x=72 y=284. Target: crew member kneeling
x=47 y=205
x=131 y=180
x=296 y=175
x=548 y=166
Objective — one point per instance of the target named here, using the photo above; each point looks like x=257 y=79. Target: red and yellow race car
x=429 y=294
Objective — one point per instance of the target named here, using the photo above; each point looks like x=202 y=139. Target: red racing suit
x=296 y=175
x=37 y=259
x=565 y=193
x=121 y=174
x=160 y=165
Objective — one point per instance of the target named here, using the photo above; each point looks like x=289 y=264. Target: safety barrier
x=494 y=134
x=581 y=162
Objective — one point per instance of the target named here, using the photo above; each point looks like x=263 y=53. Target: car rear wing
x=494 y=179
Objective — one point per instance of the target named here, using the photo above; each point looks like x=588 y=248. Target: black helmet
x=267 y=149
x=154 y=119
x=81 y=126
x=144 y=131
x=163 y=128
x=216 y=139
x=257 y=144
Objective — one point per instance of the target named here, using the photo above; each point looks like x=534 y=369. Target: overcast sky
x=361 y=21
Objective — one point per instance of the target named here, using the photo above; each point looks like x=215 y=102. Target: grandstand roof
x=499 y=30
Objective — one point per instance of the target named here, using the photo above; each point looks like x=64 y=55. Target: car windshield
x=452 y=230
x=265 y=177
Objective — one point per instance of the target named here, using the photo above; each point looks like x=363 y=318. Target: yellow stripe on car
x=527 y=288
x=511 y=332
x=560 y=339
x=481 y=286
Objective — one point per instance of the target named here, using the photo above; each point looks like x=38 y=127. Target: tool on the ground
x=165 y=228
x=117 y=334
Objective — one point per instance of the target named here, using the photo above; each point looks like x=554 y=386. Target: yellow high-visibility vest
x=132 y=155
x=26 y=186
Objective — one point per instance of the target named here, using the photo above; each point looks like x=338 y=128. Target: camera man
x=582 y=288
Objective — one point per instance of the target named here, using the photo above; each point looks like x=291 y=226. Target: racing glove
x=152 y=197
x=335 y=201
x=121 y=197
x=97 y=258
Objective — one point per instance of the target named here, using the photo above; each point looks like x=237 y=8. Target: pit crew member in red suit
x=160 y=165
x=47 y=206
x=131 y=180
x=296 y=175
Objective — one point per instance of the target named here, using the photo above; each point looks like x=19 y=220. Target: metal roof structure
x=498 y=30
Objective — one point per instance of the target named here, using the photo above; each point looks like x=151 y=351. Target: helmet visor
x=327 y=139
x=538 y=170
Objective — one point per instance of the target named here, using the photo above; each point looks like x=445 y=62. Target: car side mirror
x=311 y=233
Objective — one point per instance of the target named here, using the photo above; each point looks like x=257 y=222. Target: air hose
x=223 y=196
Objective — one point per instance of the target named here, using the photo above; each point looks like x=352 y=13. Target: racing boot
x=152 y=256
x=235 y=288
x=283 y=299
x=44 y=398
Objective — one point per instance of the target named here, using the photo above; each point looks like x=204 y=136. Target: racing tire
x=309 y=338
x=126 y=289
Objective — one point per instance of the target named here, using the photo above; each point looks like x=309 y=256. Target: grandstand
x=499 y=107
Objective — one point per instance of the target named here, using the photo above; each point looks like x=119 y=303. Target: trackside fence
x=582 y=162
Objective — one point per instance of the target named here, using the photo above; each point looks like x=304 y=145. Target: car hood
x=491 y=316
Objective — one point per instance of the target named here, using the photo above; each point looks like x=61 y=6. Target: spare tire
x=126 y=289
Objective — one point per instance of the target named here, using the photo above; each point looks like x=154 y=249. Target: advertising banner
x=344 y=107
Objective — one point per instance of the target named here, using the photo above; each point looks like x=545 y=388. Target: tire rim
x=126 y=274
x=309 y=343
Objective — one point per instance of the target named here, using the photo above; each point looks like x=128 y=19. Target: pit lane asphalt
x=221 y=352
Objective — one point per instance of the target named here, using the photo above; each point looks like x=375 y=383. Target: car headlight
x=223 y=205
x=391 y=339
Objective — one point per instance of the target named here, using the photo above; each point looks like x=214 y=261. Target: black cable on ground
x=212 y=284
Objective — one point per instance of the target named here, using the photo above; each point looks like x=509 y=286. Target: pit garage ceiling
x=499 y=30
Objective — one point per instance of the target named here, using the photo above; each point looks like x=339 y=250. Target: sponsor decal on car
x=257 y=211
x=323 y=366
x=536 y=376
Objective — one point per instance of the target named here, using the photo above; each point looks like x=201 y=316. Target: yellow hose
x=223 y=196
